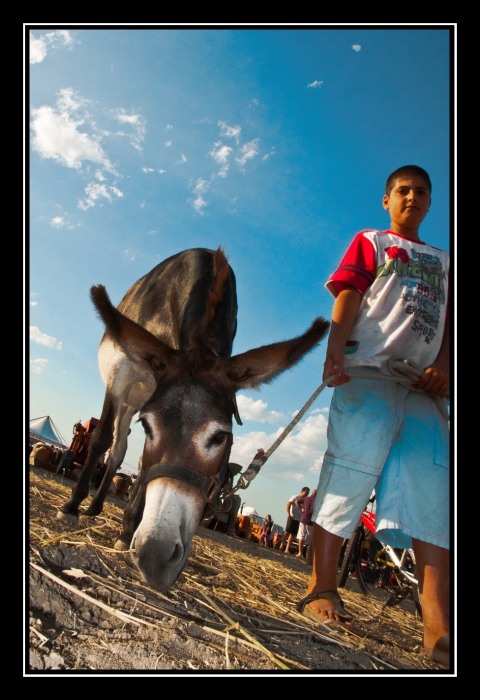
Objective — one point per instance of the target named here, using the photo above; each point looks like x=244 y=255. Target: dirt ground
x=232 y=611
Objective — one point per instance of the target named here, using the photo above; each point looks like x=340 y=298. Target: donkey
x=166 y=353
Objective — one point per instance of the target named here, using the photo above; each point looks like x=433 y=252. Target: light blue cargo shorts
x=384 y=436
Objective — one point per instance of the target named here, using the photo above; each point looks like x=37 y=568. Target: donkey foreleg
x=117 y=453
x=132 y=515
x=99 y=443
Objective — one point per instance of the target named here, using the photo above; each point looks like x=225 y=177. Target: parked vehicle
x=386 y=572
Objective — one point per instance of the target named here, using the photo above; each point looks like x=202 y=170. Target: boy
x=391 y=301
x=293 y=520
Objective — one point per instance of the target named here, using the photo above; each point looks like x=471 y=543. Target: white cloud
x=68 y=40
x=300 y=454
x=356 y=47
x=100 y=176
x=269 y=154
x=162 y=171
x=59 y=222
x=70 y=101
x=248 y=150
x=137 y=122
x=256 y=410
x=34 y=303
x=43 y=339
x=151 y=233
x=315 y=84
x=220 y=154
x=95 y=192
x=128 y=255
x=56 y=134
x=232 y=132
x=182 y=160
x=168 y=143
x=199 y=204
x=201 y=187
x=38 y=366
x=38 y=47
x=169 y=126
x=148 y=170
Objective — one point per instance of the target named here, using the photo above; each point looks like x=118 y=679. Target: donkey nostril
x=177 y=554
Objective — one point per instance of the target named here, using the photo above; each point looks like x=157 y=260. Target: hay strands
x=95 y=528
x=236 y=626
x=253 y=646
x=116 y=613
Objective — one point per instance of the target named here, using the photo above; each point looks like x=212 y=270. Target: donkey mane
x=221 y=270
x=204 y=338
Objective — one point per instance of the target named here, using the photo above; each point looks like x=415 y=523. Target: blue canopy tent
x=44 y=429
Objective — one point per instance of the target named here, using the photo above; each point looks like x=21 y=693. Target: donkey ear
x=254 y=367
x=136 y=341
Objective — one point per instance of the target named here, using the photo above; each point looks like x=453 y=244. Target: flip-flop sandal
x=333 y=596
x=440 y=653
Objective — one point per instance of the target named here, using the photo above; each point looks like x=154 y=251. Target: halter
x=209 y=486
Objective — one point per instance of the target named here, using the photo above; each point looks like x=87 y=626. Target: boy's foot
x=440 y=653
x=323 y=606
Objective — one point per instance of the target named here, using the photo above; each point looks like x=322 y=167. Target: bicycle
x=384 y=572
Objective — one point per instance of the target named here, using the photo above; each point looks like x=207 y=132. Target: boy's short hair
x=407 y=170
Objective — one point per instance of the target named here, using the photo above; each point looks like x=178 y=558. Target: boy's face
x=408 y=204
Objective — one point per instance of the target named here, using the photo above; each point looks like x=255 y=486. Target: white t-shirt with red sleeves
x=404 y=283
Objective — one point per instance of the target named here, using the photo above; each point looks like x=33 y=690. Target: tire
x=380 y=580
x=350 y=556
x=235 y=507
x=368 y=569
x=342 y=553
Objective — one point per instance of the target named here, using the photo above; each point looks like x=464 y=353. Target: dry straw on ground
x=232 y=609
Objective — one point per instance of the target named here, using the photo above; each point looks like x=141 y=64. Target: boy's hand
x=345 y=310
x=435 y=380
x=334 y=365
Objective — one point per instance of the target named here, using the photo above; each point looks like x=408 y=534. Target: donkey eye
x=146 y=427
x=219 y=437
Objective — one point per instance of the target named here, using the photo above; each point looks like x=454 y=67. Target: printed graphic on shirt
x=424 y=285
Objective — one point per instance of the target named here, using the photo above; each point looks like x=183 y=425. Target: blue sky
x=274 y=143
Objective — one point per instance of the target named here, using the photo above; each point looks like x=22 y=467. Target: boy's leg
x=300 y=549
x=289 y=542
x=326 y=550
x=433 y=568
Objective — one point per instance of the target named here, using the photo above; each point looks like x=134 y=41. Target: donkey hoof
x=121 y=546
x=92 y=512
x=67 y=517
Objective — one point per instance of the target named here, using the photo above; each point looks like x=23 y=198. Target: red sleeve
x=357 y=268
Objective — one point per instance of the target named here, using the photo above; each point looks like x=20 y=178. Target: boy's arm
x=345 y=310
x=436 y=378
x=299 y=504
